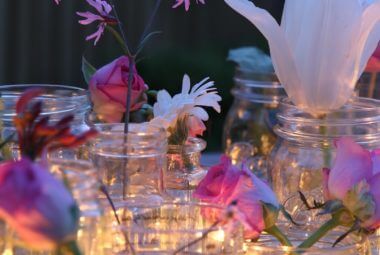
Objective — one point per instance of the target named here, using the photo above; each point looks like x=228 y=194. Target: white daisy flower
x=190 y=101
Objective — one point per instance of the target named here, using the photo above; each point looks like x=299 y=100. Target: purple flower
x=57 y=1
x=355 y=180
x=226 y=184
x=37 y=206
x=103 y=16
x=186 y=3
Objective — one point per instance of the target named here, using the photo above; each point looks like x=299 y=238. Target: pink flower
x=225 y=184
x=186 y=3
x=103 y=16
x=196 y=126
x=57 y=1
x=355 y=180
x=38 y=207
x=373 y=64
x=109 y=88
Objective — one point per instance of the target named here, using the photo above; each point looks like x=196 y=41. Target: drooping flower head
x=227 y=184
x=36 y=205
x=354 y=180
x=109 y=88
x=320 y=49
x=36 y=134
x=190 y=102
x=186 y=3
x=103 y=16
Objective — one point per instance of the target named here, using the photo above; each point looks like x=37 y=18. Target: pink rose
x=355 y=180
x=225 y=184
x=373 y=64
x=37 y=206
x=196 y=126
x=109 y=88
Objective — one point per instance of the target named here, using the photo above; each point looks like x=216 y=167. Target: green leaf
x=270 y=214
x=88 y=70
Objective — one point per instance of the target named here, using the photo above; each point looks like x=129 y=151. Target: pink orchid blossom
x=196 y=126
x=226 y=184
x=355 y=170
x=373 y=64
x=103 y=16
x=37 y=206
x=186 y=3
x=109 y=88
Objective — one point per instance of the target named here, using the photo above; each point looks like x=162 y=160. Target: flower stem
x=322 y=231
x=150 y=21
x=119 y=39
x=128 y=106
x=69 y=248
x=281 y=237
x=123 y=35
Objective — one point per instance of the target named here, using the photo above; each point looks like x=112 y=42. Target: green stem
x=322 y=231
x=69 y=248
x=119 y=39
x=325 y=148
x=281 y=237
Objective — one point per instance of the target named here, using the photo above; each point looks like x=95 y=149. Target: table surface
x=210 y=158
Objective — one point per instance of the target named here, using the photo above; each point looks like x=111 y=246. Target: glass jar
x=248 y=129
x=58 y=101
x=132 y=166
x=184 y=171
x=306 y=147
x=174 y=228
x=352 y=245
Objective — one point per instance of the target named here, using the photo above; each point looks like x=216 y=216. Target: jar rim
x=359 y=114
x=193 y=144
x=135 y=129
x=22 y=87
x=178 y=205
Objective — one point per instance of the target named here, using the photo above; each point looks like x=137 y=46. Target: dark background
x=43 y=43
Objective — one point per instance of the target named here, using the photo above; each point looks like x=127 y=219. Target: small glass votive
x=174 y=228
x=131 y=166
x=351 y=245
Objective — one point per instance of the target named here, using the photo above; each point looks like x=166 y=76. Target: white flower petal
x=199 y=84
x=186 y=84
x=200 y=113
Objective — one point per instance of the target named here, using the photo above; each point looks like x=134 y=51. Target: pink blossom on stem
x=109 y=88
x=355 y=180
x=186 y=3
x=103 y=16
x=226 y=184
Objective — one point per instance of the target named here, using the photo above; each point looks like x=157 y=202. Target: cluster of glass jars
x=150 y=183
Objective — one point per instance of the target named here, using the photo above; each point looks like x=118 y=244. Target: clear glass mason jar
x=132 y=166
x=352 y=245
x=248 y=129
x=306 y=147
x=173 y=228
x=58 y=101
x=184 y=171
x=84 y=186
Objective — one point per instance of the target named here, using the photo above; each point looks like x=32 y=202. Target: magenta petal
x=325 y=180
x=375 y=161
x=374 y=222
x=352 y=165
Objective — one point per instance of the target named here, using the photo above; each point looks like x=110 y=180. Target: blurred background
x=43 y=43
